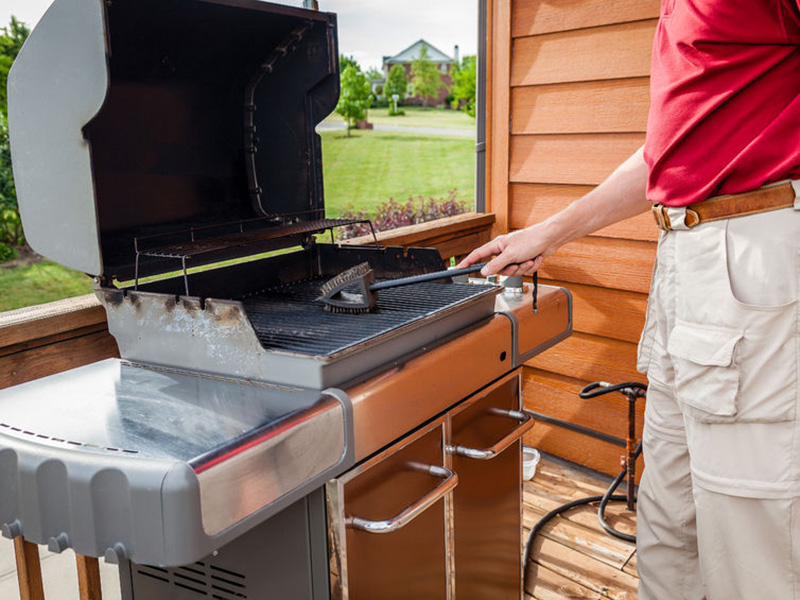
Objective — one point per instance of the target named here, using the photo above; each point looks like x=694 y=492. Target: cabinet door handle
x=414 y=510
x=526 y=422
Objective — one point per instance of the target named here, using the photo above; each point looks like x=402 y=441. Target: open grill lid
x=164 y=124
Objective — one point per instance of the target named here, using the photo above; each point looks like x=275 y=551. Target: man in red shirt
x=718 y=501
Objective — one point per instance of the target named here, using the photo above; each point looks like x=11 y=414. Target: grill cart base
x=284 y=557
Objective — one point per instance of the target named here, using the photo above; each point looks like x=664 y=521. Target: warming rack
x=202 y=241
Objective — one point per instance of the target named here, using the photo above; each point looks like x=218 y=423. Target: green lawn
x=373 y=166
x=417 y=116
x=361 y=172
x=42 y=282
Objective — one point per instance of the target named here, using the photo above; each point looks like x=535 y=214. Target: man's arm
x=619 y=197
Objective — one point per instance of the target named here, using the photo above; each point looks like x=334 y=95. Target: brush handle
x=426 y=277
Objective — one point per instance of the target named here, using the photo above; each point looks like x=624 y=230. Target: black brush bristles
x=353 y=310
x=349 y=292
x=344 y=277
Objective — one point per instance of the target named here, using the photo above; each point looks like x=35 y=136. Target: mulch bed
x=25 y=258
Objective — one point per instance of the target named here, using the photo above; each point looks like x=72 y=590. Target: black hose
x=599 y=388
x=632 y=390
x=554 y=513
x=603 y=500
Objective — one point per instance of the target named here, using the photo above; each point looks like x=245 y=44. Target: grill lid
x=140 y=118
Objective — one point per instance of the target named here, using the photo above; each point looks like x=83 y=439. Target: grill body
x=263 y=320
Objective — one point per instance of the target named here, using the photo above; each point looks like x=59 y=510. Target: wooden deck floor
x=573 y=557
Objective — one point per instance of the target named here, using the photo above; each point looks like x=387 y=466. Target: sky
x=368 y=29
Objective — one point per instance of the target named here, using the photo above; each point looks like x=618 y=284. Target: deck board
x=574 y=557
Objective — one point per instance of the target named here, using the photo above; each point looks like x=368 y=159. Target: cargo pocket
x=706 y=375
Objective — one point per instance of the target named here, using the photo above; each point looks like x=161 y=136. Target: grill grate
x=290 y=318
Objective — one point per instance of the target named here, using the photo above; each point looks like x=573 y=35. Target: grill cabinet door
x=387 y=525
x=485 y=446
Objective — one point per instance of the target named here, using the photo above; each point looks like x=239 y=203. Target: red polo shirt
x=725 y=98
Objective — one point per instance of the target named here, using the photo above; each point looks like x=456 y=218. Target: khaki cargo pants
x=719 y=509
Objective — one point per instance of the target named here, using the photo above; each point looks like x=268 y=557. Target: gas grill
x=167 y=148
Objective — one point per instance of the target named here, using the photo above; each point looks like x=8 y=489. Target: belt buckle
x=661 y=216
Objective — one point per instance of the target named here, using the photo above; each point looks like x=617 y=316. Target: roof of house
x=412 y=52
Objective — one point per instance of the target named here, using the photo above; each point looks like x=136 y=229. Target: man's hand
x=620 y=196
x=517 y=253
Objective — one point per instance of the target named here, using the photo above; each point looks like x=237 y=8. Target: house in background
x=407 y=57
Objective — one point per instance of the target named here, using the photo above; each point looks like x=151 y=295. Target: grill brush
x=355 y=290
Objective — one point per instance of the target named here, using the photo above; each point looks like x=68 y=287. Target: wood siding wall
x=569 y=106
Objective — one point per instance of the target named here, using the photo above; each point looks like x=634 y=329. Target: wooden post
x=29 y=570
x=89 y=578
x=498 y=99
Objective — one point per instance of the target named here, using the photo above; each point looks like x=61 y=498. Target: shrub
x=10 y=224
x=380 y=101
x=11 y=40
x=7 y=253
x=11 y=227
x=393 y=214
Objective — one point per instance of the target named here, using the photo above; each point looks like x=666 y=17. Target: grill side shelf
x=165 y=505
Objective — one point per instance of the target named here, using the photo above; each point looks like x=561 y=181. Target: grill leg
x=89 y=578
x=29 y=570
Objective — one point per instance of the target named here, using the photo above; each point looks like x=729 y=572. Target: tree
x=355 y=97
x=11 y=40
x=426 y=77
x=463 y=88
x=10 y=224
x=344 y=61
x=396 y=84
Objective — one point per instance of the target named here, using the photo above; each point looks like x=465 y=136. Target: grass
x=372 y=166
x=41 y=282
x=47 y=281
x=416 y=116
x=360 y=172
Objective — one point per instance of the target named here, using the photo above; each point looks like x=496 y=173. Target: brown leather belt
x=773 y=197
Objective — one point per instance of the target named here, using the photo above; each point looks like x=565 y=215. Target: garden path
x=340 y=126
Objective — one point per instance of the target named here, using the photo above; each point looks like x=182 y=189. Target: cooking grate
x=290 y=318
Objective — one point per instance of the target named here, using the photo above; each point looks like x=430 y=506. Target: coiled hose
x=633 y=390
